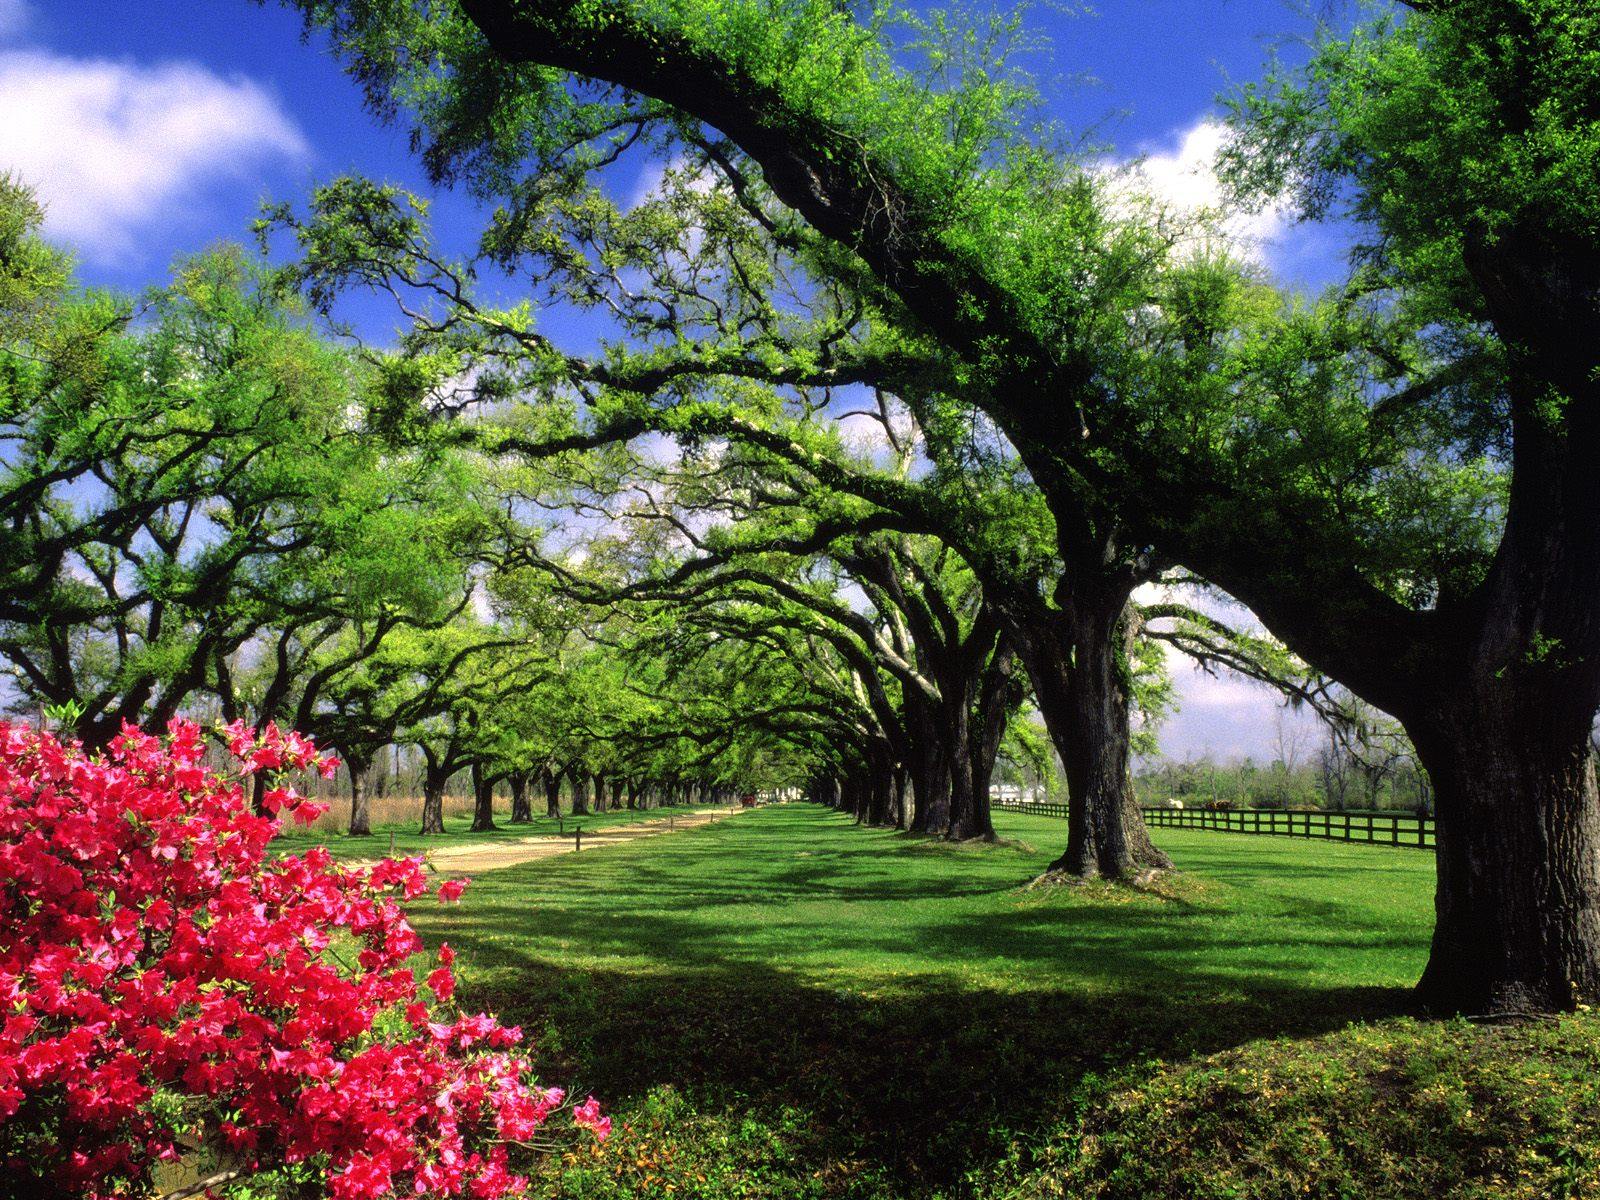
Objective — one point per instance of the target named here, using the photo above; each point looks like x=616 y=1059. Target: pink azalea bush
x=168 y=991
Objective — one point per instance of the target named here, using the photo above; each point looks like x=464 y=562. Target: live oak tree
x=177 y=477
x=793 y=489
x=719 y=298
x=978 y=500
x=406 y=535
x=1069 y=616
x=1019 y=273
x=926 y=659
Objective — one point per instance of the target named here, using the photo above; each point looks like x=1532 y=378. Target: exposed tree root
x=1146 y=879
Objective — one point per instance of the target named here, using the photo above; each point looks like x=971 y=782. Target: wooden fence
x=1378 y=829
x=1381 y=829
x=1041 y=808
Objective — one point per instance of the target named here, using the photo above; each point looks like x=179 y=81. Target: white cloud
x=113 y=147
x=1222 y=715
x=1183 y=176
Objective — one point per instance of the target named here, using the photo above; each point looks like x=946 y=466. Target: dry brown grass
x=393 y=810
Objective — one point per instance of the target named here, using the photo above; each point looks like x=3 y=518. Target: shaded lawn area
x=790 y=1005
x=407 y=840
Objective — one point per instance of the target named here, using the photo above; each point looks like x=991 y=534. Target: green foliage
x=1444 y=132
x=1402 y=1109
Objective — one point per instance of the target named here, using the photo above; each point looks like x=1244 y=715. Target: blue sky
x=155 y=127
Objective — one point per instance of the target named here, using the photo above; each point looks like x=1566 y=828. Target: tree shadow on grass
x=902 y=1092
x=896 y=1015
x=915 y=1088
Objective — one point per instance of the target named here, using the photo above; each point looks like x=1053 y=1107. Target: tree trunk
x=930 y=773
x=899 y=801
x=258 y=794
x=1517 y=904
x=580 y=793
x=854 y=794
x=552 y=794
x=1076 y=660
x=433 y=801
x=360 y=798
x=880 y=785
x=633 y=794
x=1000 y=692
x=521 y=808
x=932 y=812
x=482 y=801
x=969 y=812
x=617 y=784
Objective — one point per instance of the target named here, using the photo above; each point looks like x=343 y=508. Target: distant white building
x=1011 y=793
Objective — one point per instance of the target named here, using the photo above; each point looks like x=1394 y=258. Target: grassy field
x=787 y=1005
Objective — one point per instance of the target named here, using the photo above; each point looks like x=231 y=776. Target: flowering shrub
x=168 y=992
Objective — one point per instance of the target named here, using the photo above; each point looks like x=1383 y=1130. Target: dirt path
x=469 y=858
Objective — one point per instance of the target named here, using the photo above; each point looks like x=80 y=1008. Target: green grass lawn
x=788 y=1005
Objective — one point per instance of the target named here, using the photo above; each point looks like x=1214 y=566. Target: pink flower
x=450 y=890
x=151 y=947
x=442 y=983
x=587 y=1116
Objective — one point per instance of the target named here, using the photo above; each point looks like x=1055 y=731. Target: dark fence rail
x=1041 y=808
x=1378 y=829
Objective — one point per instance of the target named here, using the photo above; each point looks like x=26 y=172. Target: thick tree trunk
x=617 y=785
x=633 y=794
x=1077 y=663
x=580 y=793
x=855 y=794
x=552 y=794
x=969 y=811
x=360 y=796
x=1108 y=837
x=482 y=801
x=999 y=694
x=899 y=800
x=433 y=802
x=1517 y=905
x=826 y=791
x=258 y=794
x=932 y=812
x=879 y=786
x=521 y=807
x=930 y=773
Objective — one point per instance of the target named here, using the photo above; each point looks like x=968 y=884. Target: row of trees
x=204 y=515
x=1081 y=402
x=1398 y=478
